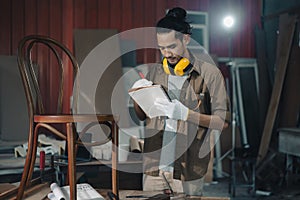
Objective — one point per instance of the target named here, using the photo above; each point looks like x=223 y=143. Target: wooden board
x=264 y=76
x=145 y=195
x=289 y=111
x=87 y=44
x=286 y=30
x=12 y=103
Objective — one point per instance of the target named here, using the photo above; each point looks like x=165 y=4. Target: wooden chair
x=61 y=124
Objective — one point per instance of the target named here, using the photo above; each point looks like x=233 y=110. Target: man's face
x=171 y=47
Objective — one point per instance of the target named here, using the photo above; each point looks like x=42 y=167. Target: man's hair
x=175 y=20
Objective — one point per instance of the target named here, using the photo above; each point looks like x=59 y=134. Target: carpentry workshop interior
x=149 y=99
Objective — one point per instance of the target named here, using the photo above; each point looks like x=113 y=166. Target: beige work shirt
x=204 y=92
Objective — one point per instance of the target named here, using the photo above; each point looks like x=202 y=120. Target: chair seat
x=72 y=118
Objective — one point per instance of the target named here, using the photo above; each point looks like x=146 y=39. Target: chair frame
x=38 y=118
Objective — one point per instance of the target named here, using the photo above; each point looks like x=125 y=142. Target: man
x=177 y=143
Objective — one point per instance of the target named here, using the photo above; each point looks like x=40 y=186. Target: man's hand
x=174 y=110
x=142 y=83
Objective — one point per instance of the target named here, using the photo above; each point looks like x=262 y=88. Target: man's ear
x=186 y=39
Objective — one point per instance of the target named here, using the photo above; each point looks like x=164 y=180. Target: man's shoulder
x=206 y=67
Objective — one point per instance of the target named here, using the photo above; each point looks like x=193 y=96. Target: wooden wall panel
x=55 y=24
x=126 y=14
x=58 y=19
x=30 y=20
x=149 y=10
x=104 y=14
x=138 y=22
x=120 y=15
x=5 y=27
x=202 y=5
x=79 y=14
x=17 y=28
x=67 y=39
x=43 y=29
x=30 y=15
x=92 y=14
x=115 y=14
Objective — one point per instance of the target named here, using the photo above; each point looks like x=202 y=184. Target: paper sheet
x=145 y=97
x=84 y=192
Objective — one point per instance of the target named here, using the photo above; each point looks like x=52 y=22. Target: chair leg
x=115 y=142
x=29 y=157
x=33 y=157
x=71 y=161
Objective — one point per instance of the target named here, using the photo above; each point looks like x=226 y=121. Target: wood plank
x=39 y=191
x=290 y=104
x=286 y=28
x=264 y=79
x=7 y=189
x=124 y=193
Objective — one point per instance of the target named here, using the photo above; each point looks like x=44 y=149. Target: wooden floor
x=40 y=193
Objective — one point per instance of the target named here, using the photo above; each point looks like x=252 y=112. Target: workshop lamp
x=228 y=22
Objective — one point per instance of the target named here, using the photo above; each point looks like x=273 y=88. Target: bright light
x=228 y=21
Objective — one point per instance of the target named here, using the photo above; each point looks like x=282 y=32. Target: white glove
x=174 y=110
x=142 y=83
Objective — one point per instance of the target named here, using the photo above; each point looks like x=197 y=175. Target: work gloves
x=173 y=109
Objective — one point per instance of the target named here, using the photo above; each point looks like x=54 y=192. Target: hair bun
x=178 y=13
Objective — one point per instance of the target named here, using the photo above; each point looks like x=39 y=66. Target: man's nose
x=167 y=53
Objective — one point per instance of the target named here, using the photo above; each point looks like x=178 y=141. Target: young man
x=177 y=143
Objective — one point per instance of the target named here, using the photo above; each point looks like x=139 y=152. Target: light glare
x=228 y=21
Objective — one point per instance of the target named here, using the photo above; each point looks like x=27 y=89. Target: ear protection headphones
x=180 y=68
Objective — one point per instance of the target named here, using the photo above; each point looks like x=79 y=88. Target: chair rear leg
x=29 y=157
x=33 y=159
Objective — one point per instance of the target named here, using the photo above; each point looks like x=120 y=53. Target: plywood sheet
x=104 y=70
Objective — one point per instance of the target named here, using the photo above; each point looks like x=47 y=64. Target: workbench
x=289 y=144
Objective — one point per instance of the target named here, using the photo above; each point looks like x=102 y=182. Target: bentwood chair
x=62 y=124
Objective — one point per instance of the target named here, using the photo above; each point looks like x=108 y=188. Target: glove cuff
x=185 y=113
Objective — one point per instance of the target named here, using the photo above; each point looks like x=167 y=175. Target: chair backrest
x=44 y=65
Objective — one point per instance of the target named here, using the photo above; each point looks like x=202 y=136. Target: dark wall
x=271 y=11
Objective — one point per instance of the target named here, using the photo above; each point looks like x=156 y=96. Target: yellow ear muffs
x=166 y=66
x=180 y=67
